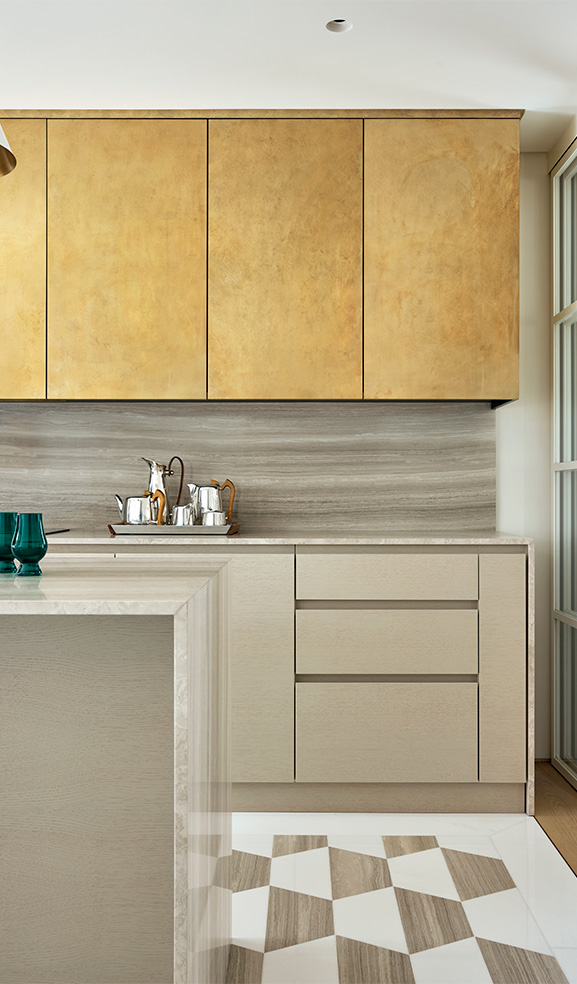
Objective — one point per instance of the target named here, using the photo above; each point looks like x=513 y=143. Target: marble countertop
x=324 y=538
x=83 y=590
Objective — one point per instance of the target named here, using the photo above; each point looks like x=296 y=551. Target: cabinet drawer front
x=366 y=575
x=386 y=732
x=405 y=641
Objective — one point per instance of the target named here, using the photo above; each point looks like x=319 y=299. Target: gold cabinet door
x=127 y=259
x=285 y=259
x=441 y=259
x=23 y=264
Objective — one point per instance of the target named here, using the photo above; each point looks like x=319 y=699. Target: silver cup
x=209 y=500
x=182 y=515
x=139 y=510
x=214 y=517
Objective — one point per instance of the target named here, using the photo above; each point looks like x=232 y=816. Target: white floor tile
x=545 y=881
x=315 y=961
x=253 y=844
x=307 y=872
x=371 y=918
x=505 y=918
x=375 y=823
x=456 y=963
x=424 y=871
x=472 y=845
x=369 y=844
x=249 y=912
x=567 y=959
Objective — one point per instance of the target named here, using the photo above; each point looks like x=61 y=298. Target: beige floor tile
x=296 y=918
x=361 y=963
x=249 y=871
x=353 y=873
x=429 y=920
x=475 y=875
x=244 y=966
x=396 y=846
x=512 y=965
x=292 y=843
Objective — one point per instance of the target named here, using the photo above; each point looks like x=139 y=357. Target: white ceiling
x=153 y=54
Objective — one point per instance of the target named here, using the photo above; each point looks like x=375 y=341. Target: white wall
x=524 y=427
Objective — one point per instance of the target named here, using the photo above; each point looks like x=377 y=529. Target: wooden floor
x=556 y=810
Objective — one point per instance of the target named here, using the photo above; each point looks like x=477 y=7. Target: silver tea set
x=205 y=507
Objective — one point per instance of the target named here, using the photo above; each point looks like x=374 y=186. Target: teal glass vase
x=8 y=523
x=29 y=544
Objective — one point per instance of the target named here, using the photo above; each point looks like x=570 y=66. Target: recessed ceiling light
x=338 y=25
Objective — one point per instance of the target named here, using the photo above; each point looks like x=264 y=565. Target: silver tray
x=131 y=529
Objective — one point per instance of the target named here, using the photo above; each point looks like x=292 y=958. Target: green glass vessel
x=29 y=544
x=8 y=523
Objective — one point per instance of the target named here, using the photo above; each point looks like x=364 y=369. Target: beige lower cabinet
x=381 y=574
x=386 y=641
x=386 y=732
x=411 y=665
x=262 y=671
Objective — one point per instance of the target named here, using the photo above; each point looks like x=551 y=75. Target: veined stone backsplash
x=310 y=467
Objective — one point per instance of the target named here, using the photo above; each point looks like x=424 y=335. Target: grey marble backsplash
x=359 y=467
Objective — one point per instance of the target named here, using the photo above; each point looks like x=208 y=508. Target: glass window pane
x=566 y=542
x=566 y=391
x=559 y=271
x=566 y=695
x=566 y=237
x=571 y=220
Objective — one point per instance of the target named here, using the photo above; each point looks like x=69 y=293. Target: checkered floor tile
x=353 y=909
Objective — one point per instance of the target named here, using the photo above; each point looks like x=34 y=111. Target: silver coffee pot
x=156 y=482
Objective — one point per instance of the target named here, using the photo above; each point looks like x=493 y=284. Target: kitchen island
x=115 y=819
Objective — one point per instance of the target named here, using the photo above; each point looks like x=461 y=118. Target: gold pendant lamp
x=7 y=159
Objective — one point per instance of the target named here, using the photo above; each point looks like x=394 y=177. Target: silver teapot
x=154 y=505
x=142 y=510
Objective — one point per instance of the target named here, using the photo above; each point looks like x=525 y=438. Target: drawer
x=369 y=641
x=367 y=575
x=386 y=732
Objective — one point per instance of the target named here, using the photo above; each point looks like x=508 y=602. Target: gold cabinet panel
x=127 y=259
x=23 y=264
x=285 y=259
x=441 y=259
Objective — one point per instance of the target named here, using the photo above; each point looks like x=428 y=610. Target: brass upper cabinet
x=441 y=259
x=285 y=259
x=23 y=264
x=127 y=259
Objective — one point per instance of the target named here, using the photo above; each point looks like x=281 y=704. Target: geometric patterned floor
x=360 y=908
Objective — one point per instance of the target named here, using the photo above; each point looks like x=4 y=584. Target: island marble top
x=82 y=590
